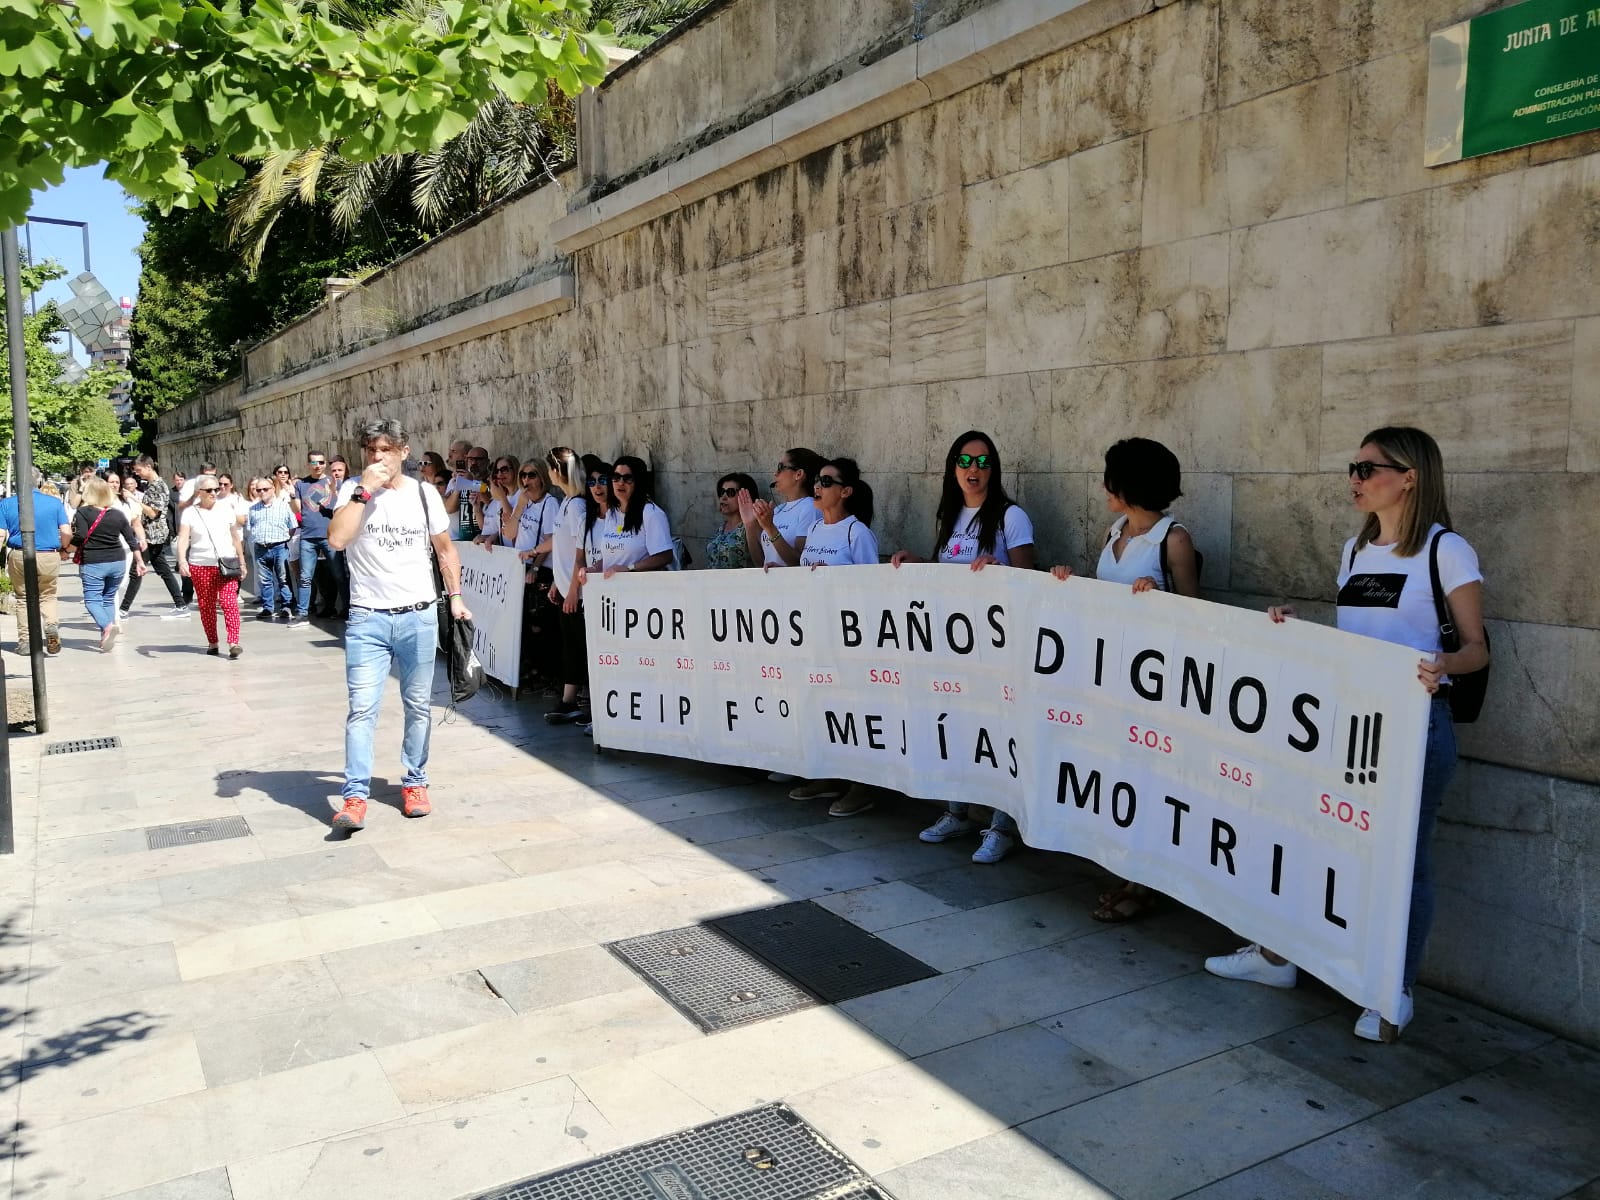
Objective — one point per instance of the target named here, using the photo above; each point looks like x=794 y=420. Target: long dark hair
x=644 y=492
x=809 y=462
x=593 y=465
x=859 y=502
x=952 y=501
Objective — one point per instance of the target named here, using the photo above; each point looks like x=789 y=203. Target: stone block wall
x=1204 y=221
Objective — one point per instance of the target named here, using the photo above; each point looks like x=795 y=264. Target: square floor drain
x=822 y=952
x=159 y=837
x=716 y=983
x=765 y=1154
x=83 y=744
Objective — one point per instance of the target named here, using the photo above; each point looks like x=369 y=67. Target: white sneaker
x=781 y=777
x=1249 y=964
x=947 y=826
x=994 y=847
x=1369 y=1025
x=108 y=636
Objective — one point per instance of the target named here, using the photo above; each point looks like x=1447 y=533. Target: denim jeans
x=1000 y=822
x=312 y=548
x=100 y=584
x=272 y=576
x=1439 y=764
x=373 y=643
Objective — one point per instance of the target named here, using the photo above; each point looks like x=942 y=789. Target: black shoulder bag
x=462 y=665
x=1466 y=691
x=1166 y=571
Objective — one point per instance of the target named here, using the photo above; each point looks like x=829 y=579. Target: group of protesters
x=569 y=515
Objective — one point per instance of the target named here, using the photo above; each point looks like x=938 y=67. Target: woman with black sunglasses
x=528 y=523
x=503 y=496
x=1386 y=591
x=775 y=531
x=573 y=476
x=636 y=535
x=728 y=547
x=976 y=523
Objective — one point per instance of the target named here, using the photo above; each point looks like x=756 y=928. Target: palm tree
x=505 y=148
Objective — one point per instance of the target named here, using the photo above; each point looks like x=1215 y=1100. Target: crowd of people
x=569 y=515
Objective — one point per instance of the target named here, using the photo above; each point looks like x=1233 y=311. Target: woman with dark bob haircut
x=1149 y=550
x=976 y=523
x=728 y=546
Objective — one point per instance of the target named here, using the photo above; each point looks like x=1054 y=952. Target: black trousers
x=159 y=557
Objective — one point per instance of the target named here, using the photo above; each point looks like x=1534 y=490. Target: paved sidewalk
x=426 y=1009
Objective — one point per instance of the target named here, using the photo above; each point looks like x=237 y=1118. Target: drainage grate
x=83 y=744
x=765 y=1154
x=159 y=837
x=822 y=952
x=716 y=983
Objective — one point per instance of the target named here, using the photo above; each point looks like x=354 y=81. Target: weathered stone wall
x=1207 y=223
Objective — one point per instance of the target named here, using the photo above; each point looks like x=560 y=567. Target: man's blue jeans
x=272 y=573
x=373 y=643
x=100 y=584
x=311 y=548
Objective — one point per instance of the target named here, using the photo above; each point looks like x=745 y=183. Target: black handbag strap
x=427 y=540
x=1441 y=606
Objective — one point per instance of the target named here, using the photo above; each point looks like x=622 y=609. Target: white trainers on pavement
x=994 y=847
x=1249 y=964
x=1369 y=1025
x=946 y=827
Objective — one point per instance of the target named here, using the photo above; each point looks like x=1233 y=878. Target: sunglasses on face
x=783 y=466
x=1366 y=470
x=599 y=480
x=205 y=491
x=529 y=475
x=829 y=481
x=727 y=493
x=315 y=462
x=280 y=471
x=981 y=461
x=616 y=479
x=502 y=467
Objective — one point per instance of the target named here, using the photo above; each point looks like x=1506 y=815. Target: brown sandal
x=1124 y=904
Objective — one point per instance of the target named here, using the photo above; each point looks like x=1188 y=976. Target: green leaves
x=142 y=85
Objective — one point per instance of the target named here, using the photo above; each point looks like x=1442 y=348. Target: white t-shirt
x=618 y=549
x=1141 y=557
x=1389 y=597
x=842 y=544
x=793 y=518
x=211 y=533
x=568 y=535
x=1015 y=530
x=537 y=522
x=389 y=557
x=492 y=511
x=237 y=506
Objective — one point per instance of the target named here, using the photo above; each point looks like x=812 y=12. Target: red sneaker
x=353 y=815
x=415 y=801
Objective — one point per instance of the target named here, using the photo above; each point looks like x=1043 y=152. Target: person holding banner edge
x=1150 y=551
x=1386 y=591
x=979 y=524
x=841 y=537
x=572 y=475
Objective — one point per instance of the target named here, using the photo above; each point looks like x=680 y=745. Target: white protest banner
x=1267 y=775
x=491 y=584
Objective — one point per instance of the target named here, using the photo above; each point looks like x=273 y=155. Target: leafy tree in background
x=71 y=422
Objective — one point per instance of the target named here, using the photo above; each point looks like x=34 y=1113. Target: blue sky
x=114 y=232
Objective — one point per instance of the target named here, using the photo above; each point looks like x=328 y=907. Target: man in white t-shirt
x=385 y=523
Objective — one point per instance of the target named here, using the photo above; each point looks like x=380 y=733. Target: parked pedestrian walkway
x=427 y=1010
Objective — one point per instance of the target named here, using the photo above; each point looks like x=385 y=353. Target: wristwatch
x=365 y=496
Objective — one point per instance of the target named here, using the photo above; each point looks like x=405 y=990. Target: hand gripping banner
x=1266 y=775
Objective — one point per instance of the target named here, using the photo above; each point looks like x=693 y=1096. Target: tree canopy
x=142 y=85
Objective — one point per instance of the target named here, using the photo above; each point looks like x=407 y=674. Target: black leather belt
x=404 y=608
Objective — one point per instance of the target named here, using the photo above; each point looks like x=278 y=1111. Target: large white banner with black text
x=491 y=584
x=1267 y=775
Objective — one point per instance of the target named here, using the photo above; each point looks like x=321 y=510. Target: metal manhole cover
x=186 y=833
x=822 y=952
x=765 y=1154
x=82 y=744
x=716 y=983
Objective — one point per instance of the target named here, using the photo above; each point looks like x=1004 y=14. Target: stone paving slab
x=427 y=1010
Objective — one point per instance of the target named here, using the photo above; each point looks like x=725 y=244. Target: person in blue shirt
x=313 y=500
x=52 y=531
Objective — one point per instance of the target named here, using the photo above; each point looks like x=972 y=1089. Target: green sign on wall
x=1523 y=74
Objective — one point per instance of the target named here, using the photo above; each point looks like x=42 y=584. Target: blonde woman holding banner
x=1386 y=590
x=979 y=525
